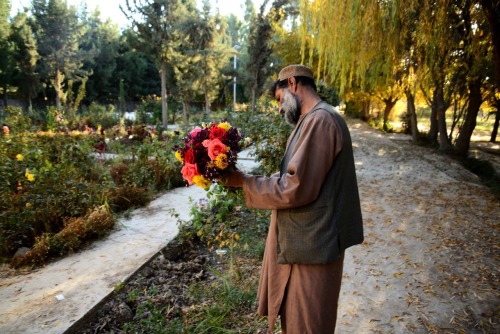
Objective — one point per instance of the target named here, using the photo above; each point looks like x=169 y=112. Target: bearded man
x=316 y=211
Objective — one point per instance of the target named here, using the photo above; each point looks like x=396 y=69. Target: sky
x=110 y=8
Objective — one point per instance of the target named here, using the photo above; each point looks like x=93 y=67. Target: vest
x=319 y=232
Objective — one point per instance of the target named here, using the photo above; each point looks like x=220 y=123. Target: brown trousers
x=311 y=308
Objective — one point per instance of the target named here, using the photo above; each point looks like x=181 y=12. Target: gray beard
x=291 y=107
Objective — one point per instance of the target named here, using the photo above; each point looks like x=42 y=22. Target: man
x=316 y=210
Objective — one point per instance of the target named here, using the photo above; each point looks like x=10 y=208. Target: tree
x=210 y=43
x=58 y=32
x=354 y=46
x=26 y=55
x=102 y=38
x=6 y=64
x=186 y=60
x=260 y=48
x=156 y=21
x=426 y=43
x=197 y=59
x=475 y=45
x=492 y=12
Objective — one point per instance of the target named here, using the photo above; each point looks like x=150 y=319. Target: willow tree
x=476 y=61
x=355 y=42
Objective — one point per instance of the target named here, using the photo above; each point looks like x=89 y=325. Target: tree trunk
x=444 y=142
x=58 y=88
x=164 y=103
x=5 y=102
x=433 y=130
x=463 y=141
x=492 y=13
x=365 y=116
x=185 y=108
x=494 y=133
x=254 y=93
x=389 y=105
x=412 y=115
x=207 y=103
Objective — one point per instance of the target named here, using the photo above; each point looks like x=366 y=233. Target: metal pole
x=234 y=85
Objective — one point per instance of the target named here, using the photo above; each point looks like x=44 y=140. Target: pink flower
x=206 y=143
x=195 y=131
x=189 y=171
x=215 y=148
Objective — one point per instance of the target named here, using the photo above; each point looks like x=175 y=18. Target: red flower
x=189 y=156
x=217 y=133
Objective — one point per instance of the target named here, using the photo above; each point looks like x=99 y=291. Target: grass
x=222 y=303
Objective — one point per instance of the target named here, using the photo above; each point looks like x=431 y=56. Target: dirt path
x=430 y=260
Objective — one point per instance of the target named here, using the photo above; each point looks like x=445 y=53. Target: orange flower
x=189 y=171
x=215 y=148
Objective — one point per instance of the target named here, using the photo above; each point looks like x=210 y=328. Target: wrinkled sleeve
x=313 y=155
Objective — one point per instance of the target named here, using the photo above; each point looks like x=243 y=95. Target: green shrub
x=99 y=116
x=214 y=221
x=16 y=120
x=270 y=133
x=47 y=178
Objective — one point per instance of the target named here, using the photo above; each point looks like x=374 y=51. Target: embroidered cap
x=295 y=71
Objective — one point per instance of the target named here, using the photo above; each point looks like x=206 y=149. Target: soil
x=172 y=272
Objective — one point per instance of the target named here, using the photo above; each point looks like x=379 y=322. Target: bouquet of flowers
x=208 y=152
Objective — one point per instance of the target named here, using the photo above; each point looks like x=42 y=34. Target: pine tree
x=26 y=55
x=6 y=59
x=58 y=32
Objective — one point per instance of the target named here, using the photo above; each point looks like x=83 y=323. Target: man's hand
x=233 y=179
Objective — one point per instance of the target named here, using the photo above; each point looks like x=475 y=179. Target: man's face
x=289 y=104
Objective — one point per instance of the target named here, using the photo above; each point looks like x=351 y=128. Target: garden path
x=52 y=298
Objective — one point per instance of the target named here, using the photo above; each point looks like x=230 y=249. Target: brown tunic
x=311 y=287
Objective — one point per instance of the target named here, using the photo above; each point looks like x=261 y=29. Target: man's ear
x=292 y=84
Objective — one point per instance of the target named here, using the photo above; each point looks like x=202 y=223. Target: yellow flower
x=224 y=125
x=19 y=157
x=221 y=161
x=179 y=156
x=202 y=182
x=29 y=176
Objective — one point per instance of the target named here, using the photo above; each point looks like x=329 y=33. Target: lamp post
x=236 y=48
